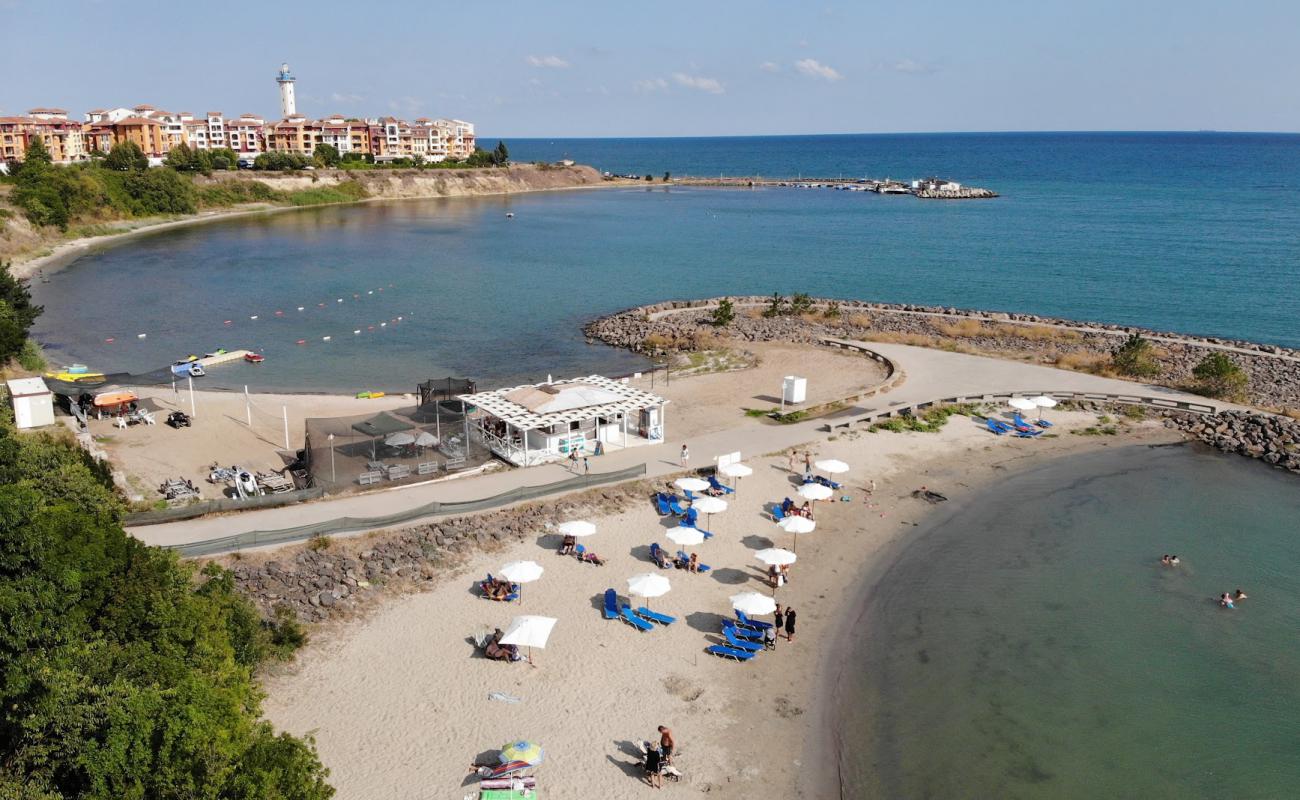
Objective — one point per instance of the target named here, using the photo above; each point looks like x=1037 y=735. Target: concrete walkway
x=931 y=375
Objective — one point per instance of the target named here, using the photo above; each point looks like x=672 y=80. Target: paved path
x=931 y=375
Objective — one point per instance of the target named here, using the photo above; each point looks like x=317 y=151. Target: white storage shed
x=33 y=403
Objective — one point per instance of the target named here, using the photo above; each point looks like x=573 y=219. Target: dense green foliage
x=779 y=306
x=1219 y=376
x=184 y=159
x=125 y=157
x=1136 y=357
x=124 y=675
x=345 y=192
x=724 y=314
x=17 y=313
x=326 y=155
x=57 y=196
x=280 y=162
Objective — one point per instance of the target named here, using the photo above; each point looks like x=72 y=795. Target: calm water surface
x=1198 y=233
x=1031 y=645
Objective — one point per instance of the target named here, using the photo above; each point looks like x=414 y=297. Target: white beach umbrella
x=522 y=572
x=796 y=526
x=1022 y=403
x=815 y=491
x=737 y=471
x=709 y=506
x=831 y=466
x=400 y=438
x=529 y=632
x=1043 y=401
x=776 y=556
x=648 y=585
x=686 y=537
x=426 y=439
x=753 y=603
x=689 y=484
x=577 y=528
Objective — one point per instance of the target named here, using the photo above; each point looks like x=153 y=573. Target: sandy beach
x=400 y=703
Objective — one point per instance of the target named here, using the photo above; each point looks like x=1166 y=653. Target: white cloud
x=551 y=62
x=910 y=67
x=652 y=85
x=345 y=97
x=770 y=66
x=710 y=85
x=815 y=69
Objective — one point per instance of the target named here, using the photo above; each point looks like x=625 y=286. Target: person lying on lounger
x=566 y=546
x=499 y=589
x=660 y=557
x=693 y=565
x=588 y=557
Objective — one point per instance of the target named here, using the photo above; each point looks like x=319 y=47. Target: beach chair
x=661 y=502
x=660 y=558
x=730 y=652
x=995 y=427
x=1023 y=424
x=719 y=487
x=683 y=559
x=743 y=633
x=675 y=505
x=689 y=495
x=508 y=768
x=485 y=586
x=662 y=619
x=737 y=642
x=632 y=619
x=777 y=513
x=824 y=481
x=611 y=604
x=744 y=620
x=688 y=521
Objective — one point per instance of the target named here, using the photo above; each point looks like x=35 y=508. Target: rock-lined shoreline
x=1273 y=440
x=1274 y=371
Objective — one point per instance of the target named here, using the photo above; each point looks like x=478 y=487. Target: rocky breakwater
x=1273 y=440
x=1273 y=371
x=324 y=579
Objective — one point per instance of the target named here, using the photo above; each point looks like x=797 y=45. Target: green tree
x=800 y=303
x=649 y=177
x=17 y=313
x=37 y=153
x=500 y=154
x=724 y=314
x=1136 y=357
x=160 y=191
x=1219 y=376
x=326 y=155
x=181 y=158
x=126 y=156
x=667 y=176
x=776 y=306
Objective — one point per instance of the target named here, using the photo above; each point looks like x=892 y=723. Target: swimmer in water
x=1167 y=560
x=1239 y=595
x=1173 y=561
x=1225 y=600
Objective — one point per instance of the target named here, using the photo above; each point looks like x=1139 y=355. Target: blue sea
x=1197 y=233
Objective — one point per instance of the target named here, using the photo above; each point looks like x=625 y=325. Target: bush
x=776 y=306
x=126 y=157
x=17 y=313
x=724 y=314
x=1136 y=357
x=800 y=303
x=159 y=191
x=1219 y=376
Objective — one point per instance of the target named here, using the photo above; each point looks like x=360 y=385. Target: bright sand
x=399 y=702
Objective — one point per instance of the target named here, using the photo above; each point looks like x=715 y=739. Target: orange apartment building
x=62 y=137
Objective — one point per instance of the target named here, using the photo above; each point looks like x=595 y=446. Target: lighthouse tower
x=287 y=106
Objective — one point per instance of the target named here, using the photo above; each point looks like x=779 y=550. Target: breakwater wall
x=1274 y=371
x=1273 y=440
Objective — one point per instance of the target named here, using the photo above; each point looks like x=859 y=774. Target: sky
x=668 y=68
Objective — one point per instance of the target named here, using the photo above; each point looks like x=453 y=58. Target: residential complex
x=157 y=131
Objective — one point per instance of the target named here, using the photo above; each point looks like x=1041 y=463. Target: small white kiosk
x=33 y=403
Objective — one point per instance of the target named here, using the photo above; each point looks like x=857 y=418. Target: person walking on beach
x=666 y=744
x=789 y=624
x=573 y=460
x=780 y=623
x=794 y=460
x=586 y=466
x=686 y=456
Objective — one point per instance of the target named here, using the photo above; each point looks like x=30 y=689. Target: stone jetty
x=1273 y=440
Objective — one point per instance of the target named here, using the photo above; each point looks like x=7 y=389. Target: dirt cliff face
x=409 y=183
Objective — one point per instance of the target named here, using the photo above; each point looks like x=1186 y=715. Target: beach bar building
x=534 y=424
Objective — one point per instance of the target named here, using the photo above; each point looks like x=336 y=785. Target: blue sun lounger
x=634 y=620
x=737 y=642
x=730 y=652
x=660 y=557
x=996 y=427
x=719 y=487
x=683 y=559
x=483 y=585
x=751 y=623
x=736 y=630
x=653 y=616
x=1021 y=421
x=777 y=513
x=661 y=502
x=675 y=505
x=611 y=604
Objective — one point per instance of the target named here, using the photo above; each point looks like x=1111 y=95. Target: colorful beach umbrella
x=529 y=752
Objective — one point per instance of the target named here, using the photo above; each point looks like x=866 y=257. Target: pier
x=926 y=188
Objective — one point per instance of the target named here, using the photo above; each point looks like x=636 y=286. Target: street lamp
x=334 y=478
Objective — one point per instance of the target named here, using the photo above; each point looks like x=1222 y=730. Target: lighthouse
x=287 y=106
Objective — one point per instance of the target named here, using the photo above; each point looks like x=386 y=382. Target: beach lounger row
x=1021 y=423
x=640 y=619
x=823 y=480
x=1000 y=428
x=735 y=654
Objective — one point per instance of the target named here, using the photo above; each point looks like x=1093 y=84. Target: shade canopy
x=381 y=424
x=736 y=470
x=522 y=572
x=530 y=753
x=529 y=632
x=797 y=524
x=576 y=527
x=689 y=484
x=753 y=603
x=648 y=584
x=815 y=491
x=399 y=439
x=831 y=466
x=709 y=505
x=1022 y=403
x=776 y=556
x=542 y=406
x=426 y=439
x=1043 y=401
x=686 y=537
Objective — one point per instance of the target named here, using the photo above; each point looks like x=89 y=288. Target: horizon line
x=1115 y=131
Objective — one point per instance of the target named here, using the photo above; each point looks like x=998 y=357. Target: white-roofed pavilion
x=533 y=424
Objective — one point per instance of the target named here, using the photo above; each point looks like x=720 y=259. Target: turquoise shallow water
x=1029 y=644
x=1192 y=232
